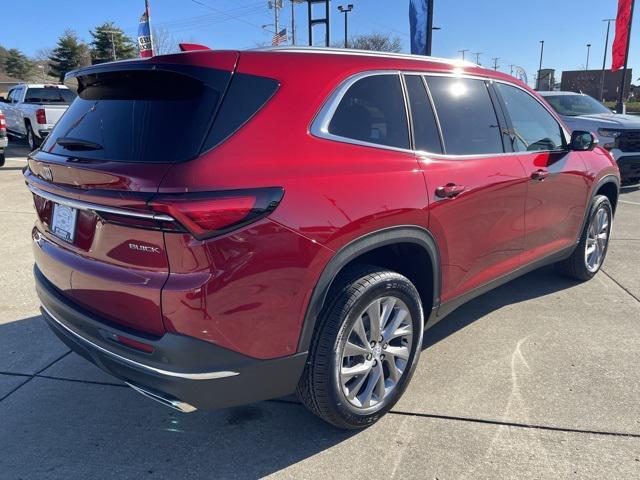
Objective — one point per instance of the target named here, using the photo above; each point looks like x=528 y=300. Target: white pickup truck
x=31 y=110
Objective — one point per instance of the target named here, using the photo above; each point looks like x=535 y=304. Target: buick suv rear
x=219 y=227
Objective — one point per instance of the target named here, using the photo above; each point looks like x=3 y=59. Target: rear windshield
x=151 y=116
x=62 y=96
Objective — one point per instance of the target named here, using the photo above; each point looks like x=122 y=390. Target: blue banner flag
x=418 y=13
x=145 y=42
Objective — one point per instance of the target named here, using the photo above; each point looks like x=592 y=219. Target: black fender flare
x=596 y=187
x=380 y=238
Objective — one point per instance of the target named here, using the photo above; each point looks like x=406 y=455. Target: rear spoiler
x=192 y=47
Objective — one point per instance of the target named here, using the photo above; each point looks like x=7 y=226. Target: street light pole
x=604 y=61
x=540 y=67
x=346 y=11
x=588 y=53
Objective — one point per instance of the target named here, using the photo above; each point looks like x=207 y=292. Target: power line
x=231 y=17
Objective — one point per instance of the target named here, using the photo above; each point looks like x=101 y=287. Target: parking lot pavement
x=538 y=379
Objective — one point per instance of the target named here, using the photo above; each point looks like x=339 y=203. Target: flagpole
x=620 y=104
x=429 y=26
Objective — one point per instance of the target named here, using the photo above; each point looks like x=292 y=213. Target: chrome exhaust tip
x=165 y=400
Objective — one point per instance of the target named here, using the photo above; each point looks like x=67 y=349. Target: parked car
x=221 y=227
x=31 y=110
x=620 y=134
x=3 y=137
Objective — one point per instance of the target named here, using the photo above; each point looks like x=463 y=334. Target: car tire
x=588 y=257
x=329 y=387
x=2 y=159
x=32 y=140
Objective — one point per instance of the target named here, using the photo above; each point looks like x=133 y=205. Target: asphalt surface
x=537 y=379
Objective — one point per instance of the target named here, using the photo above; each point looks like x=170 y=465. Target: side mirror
x=583 y=141
x=3 y=100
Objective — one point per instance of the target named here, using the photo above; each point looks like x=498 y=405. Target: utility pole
x=113 y=43
x=604 y=61
x=511 y=69
x=620 y=104
x=293 y=20
x=276 y=5
x=346 y=11
x=540 y=67
x=477 y=54
x=588 y=52
x=495 y=63
x=463 y=52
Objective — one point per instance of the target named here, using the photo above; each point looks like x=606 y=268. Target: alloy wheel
x=597 y=239
x=376 y=353
x=30 y=140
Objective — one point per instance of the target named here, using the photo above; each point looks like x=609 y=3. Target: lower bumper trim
x=167 y=373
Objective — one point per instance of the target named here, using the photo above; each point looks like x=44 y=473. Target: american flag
x=279 y=37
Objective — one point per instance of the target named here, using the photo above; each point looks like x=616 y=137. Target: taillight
x=41 y=116
x=3 y=124
x=209 y=214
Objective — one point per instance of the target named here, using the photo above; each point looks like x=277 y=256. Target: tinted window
x=425 y=129
x=467 y=117
x=246 y=95
x=158 y=116
x=373 y=111
x=50 y=95
x=533 y=126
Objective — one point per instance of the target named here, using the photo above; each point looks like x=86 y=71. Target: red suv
x=220 y=227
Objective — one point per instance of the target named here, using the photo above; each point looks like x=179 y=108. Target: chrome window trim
x=82 y=205
x=320 y=124
x=167 y=373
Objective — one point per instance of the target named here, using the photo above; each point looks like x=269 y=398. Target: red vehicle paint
x=235 y=246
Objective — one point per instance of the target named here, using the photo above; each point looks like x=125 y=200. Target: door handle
x=539 y=175
x=450 y=190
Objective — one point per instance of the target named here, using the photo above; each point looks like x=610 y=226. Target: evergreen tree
x=109 y=40
x=17 y=65
x=69 y=54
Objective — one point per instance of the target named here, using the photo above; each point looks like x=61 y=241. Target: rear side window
x=149 y=116
x=246 y=95
x=534 y=128
x=425 y=129
x=373 y=111
x=467 y=116
x=62 y=96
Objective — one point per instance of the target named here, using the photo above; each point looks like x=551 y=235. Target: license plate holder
x=63 y=222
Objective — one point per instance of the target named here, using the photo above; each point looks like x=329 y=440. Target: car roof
x=365 y=53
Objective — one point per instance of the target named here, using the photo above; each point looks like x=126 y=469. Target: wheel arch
x=608 y=185
x=365 y=250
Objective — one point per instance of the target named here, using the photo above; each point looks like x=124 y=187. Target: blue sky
x=509 y=29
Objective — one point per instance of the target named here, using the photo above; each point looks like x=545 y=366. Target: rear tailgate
x=54 y=112
x=95 y=238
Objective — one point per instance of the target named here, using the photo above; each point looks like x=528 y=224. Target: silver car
x=620 y=134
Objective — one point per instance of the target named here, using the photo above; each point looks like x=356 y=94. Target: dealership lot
x=538 y=379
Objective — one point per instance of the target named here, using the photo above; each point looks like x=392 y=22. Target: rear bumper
x=182 y=372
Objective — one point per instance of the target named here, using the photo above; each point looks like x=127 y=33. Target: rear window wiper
x=77 y=144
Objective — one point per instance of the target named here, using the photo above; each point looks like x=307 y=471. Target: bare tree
x=164 y=42
x=379 y=42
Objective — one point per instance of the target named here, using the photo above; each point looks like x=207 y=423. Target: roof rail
x=370 y=53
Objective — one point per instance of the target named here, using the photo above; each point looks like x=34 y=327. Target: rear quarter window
x=373 y=111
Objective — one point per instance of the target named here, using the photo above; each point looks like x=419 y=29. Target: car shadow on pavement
x=67 y=422
x=538 y=283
